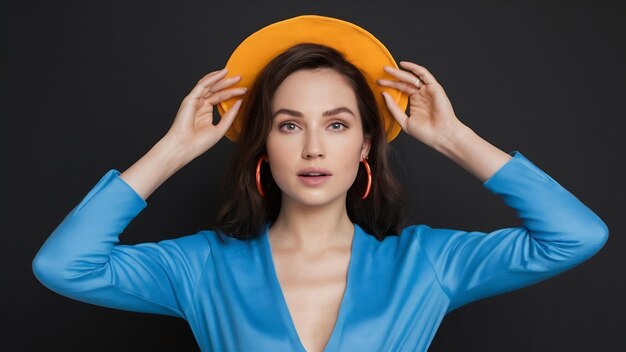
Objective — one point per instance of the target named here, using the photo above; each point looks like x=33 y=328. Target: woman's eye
x=335 y=124
x=290 y=124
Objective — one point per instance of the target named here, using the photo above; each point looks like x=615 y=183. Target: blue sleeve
x=82 y=260
x=558 y=233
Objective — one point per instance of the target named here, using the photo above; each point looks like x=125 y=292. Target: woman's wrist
x=449 y=140
x=473 y=153
x=163 y=160
x=174 y=152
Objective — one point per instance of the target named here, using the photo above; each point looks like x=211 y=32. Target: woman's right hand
x=193 y=127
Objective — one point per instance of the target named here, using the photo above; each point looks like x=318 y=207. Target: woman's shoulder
x=426 y=234
x=415 y=237
x=409 y=231
x=219 y=241
x=406 y=236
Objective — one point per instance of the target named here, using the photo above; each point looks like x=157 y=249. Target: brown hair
x=243 y=211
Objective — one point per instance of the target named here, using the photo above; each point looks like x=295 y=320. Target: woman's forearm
x=472 y=153
x=164 y=159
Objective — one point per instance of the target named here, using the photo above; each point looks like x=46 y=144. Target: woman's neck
x=302 y=227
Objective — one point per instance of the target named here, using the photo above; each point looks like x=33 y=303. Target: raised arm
x=81 y=258
x=558 y=232
x=191 y=134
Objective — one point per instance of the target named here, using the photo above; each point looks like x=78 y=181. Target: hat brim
x=357 y=45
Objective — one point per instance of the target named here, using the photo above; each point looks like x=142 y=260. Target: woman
x=307 y=253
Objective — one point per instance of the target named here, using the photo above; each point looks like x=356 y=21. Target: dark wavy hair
x=243 y=211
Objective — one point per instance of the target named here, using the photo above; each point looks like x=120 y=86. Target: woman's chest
x=382 y=298
x=313 y=291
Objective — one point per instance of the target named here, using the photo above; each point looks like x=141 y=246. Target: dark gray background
x=90 y=86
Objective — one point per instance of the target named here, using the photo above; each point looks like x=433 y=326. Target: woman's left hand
x=432 y=119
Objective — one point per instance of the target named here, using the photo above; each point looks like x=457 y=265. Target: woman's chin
x=315 y=198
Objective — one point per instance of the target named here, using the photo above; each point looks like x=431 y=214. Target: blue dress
x=398 y=290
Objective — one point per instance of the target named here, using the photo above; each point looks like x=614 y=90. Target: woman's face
x=316 y=123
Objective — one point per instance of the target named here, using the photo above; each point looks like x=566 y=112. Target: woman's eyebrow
x=331 y=112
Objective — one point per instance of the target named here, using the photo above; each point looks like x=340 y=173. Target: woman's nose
x=313 y=146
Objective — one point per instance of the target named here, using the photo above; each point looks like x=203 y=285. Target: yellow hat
x=356 y=44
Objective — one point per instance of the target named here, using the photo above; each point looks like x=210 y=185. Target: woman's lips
x=313 y=180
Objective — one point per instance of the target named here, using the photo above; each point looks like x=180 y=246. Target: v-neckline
x=282 y=302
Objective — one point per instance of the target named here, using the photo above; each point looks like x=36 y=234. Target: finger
x=397 y=113
x=420 y=71
x=211 y=74
x=225 y=95
x=404 y=76
x=205 y=111
x=228 y=118
x=219 y=85
x=214 y=72
x=204 y=82
x=404 y=87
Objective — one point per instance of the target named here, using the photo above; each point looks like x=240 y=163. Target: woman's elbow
x=590 y=238
x=53 y=271
x=597 y=235
x=46 y=270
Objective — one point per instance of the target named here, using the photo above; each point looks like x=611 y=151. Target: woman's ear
x=367 y=143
